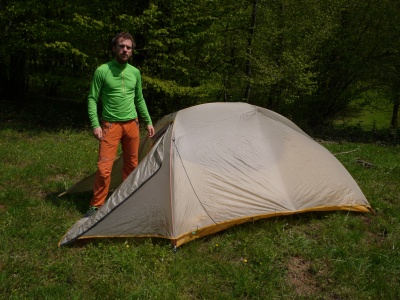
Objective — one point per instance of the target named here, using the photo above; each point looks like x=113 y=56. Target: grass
x=372 y=111
x=334 y=255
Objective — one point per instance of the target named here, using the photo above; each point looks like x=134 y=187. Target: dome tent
x=216 y=165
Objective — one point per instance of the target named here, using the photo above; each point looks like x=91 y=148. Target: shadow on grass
x=286 y=222
x=79 y=201
x=131 y=241
x=44 y=114
x=356 y=134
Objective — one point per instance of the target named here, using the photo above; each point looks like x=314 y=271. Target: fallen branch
x=364 y=163
x=347 y=152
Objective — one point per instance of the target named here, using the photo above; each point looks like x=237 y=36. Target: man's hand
x=150 y=130
x=98 y=133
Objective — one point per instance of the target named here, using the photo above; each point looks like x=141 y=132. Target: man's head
x=122 y=46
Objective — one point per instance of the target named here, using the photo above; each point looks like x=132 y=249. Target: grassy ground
x=371 y=112
x=334 y=255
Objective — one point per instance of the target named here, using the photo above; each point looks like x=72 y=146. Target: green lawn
x=335 y=255
x=375 y=114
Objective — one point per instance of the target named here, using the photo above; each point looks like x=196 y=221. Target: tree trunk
x=249 y=48
x=17 y=80
x=394 y=124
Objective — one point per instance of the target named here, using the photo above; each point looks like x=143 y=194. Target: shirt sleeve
x=94 y=94
x=140 y=103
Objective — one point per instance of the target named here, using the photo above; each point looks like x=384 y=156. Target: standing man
x=119 y=85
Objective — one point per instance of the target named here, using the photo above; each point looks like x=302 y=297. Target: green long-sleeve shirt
x=120 y=88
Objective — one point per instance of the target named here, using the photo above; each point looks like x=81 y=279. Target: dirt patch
x=301 y=277
x=2 y=207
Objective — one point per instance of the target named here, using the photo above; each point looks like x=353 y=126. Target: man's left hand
x=150 y=130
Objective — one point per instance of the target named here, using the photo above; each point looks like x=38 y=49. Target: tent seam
x=194 y=191
x=114 y=208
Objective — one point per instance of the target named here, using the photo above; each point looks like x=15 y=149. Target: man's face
x=123 y=50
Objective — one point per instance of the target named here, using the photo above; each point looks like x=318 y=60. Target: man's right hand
x=98 y=133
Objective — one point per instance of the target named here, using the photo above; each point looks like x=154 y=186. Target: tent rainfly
x=216 y=165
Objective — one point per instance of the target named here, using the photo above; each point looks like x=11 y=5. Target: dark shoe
x=92 y=210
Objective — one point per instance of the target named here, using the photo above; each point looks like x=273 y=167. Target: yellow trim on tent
x=201 y=232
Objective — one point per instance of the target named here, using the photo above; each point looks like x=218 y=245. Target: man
x=119 y=85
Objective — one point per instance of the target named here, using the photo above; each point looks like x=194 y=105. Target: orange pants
x=126 y=133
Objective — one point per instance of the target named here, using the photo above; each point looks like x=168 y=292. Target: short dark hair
x=125 y=36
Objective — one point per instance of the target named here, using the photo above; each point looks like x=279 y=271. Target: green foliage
x=349 y=60
x=307 y=59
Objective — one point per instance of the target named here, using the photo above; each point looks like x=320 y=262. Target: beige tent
x=216 y=165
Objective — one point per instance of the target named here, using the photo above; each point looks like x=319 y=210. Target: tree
x=306 y=59
x=175 y=44
x=284 y=42
x=249 y=49
x=51 y=47
x=349 y=60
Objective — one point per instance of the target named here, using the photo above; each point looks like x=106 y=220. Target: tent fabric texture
x=216 y=165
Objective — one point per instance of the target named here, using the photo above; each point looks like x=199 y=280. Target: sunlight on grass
x=335 y=255
x=373 y=111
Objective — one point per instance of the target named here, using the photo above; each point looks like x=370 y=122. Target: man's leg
x=130 y=147
x=107 y=152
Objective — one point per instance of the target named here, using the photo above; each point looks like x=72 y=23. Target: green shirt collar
x=118 y=65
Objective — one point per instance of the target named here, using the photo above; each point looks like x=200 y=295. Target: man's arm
x=140 y=103
x=93 y=98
